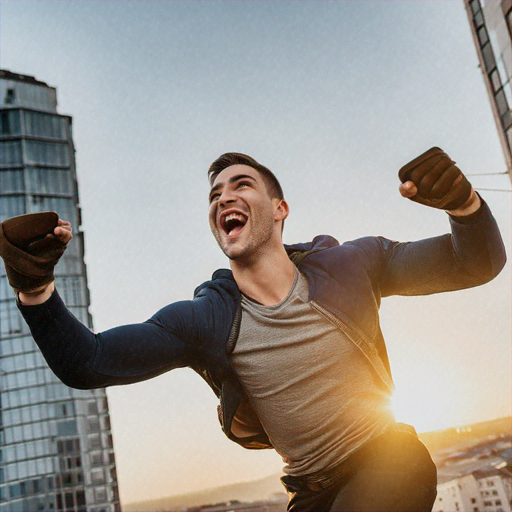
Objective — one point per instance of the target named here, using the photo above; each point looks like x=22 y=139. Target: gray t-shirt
x=313 y=390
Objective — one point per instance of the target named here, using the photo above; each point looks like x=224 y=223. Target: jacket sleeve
x=473 y=254
x=123 y=355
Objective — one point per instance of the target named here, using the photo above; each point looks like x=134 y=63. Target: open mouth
x=233 y=223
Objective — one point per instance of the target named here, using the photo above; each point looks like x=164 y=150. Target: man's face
x=242 y=214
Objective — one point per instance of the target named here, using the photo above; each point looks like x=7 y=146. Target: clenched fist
x=436 y=181
x=31 y=245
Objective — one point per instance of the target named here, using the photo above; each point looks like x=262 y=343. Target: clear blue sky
x=334 y=97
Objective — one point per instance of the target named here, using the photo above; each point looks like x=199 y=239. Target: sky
x=334 y=97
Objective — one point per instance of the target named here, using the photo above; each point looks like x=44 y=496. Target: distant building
x=487 y=490
x=56 y=443
x=495 y=489
x=459 y=494
x=491 y=26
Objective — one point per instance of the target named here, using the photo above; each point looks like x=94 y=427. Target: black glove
x=30 y=250
x=440 y=182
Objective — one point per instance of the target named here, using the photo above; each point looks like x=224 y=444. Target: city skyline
x=334 y=97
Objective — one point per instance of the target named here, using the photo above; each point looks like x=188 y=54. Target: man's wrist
x=35 y=297
x=469 y=207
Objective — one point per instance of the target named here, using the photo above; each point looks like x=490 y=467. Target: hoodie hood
x=297 y=252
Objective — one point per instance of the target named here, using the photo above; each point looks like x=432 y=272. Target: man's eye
x=243 y=184
x=213 y=197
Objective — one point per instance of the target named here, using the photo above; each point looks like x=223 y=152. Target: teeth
x=232 y=216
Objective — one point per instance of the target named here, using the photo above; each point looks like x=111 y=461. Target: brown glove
x=30 y=250
x=439 y=181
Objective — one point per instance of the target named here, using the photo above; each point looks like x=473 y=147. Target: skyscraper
x=56 y=443
x=491 y=26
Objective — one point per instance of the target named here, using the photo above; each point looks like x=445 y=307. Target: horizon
x=206 y=489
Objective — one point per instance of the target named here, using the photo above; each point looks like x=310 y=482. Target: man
x=289 y=339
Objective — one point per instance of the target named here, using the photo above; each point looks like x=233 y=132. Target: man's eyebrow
x=233 y=179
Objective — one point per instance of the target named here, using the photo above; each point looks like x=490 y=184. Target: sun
x=425 y=403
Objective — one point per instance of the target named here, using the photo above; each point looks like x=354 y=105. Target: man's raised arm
x=31 y=246
x=471 y=255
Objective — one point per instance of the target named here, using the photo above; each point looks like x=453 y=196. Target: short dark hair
x=228 y=159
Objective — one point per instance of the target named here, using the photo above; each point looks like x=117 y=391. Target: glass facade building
x=56 y=450
x=491 y=26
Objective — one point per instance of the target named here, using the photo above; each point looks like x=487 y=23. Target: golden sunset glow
x=429 y=398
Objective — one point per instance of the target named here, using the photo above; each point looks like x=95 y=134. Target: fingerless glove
x=30 y=250
x=440 y=183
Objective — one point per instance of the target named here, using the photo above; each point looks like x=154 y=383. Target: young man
x=289 y=338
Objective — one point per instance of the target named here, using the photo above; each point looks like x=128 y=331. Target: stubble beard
x=251 y=248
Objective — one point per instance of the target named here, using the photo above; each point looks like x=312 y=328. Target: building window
x=97 y=475
x=104 y=405
x=65 y=409
x=101 y=495
x=67 y=479
x=488 y=57
x=11 y=206
x=49 y=181
x=10 y=97
x=47 y=153
x=495 y=80
x=92 y=408
x=106 y=423
x=63 y=206
x=483 y=36
x=94 y=441
x=96 y=459
x=501 y=102
x=65 y=428
x=475 y=6
x=506 y=119
x=479 y=19
x=45 y=125
x=10 y=321
x=10 y=122
x=69 y=500
x=10 y=153
x=80 y=498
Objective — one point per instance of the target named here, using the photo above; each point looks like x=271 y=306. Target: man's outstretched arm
x=471 y=255
x=31 y=246
x=122 y=355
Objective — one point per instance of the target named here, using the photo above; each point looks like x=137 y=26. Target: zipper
x=345 y=330
x=209 y=379
x=230 y=346
x=235 y=329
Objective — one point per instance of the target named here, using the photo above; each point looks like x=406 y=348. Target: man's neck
x=267 y=279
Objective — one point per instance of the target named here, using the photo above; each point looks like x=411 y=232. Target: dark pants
x=392 y=473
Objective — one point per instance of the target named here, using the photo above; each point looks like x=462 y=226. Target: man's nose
x=227 y=197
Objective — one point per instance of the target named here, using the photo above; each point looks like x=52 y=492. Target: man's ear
x=281 y=209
